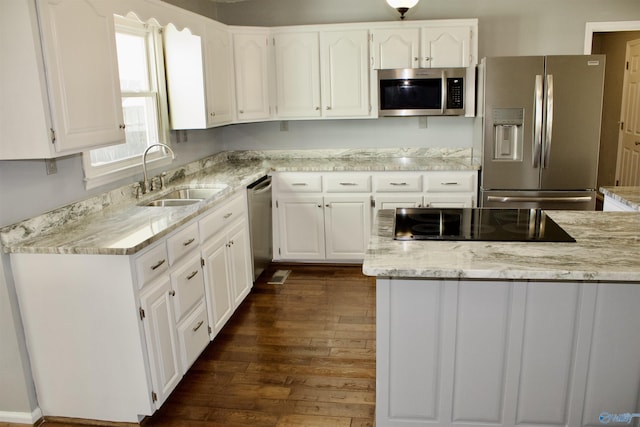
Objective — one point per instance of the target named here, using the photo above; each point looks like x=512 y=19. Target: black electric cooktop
x=482 y=224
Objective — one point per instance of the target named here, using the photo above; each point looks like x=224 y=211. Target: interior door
x=628 y=165
x=573 y=110
x=509 y=117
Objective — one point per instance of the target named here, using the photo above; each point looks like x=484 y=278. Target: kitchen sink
x=184 y=196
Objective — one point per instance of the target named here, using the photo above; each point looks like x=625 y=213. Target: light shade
x=402 y=3
x=402 y=6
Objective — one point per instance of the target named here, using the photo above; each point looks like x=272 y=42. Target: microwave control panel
x=455 y=93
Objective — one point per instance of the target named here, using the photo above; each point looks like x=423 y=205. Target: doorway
x=610 y=38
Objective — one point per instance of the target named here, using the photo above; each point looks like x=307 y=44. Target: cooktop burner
x=519 y=225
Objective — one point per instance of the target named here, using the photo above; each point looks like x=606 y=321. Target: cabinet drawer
x=151 y=264
x=188 y=287
x=222 y=216
x=347 y=183
x=398 y=183
x=182 y=242
x=450 y=181
x=193 y=335
x=300 y=182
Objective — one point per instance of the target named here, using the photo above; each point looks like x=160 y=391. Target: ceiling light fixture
x=402 y=6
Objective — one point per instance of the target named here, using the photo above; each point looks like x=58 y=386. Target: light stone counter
x=607 y=248
x=628 y=196
x=113 y=223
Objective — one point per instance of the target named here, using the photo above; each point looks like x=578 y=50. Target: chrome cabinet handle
x=227 y=215
x=298 y=184
x=188 y=242
x=348 y=183
x=450 y=183
x=158 y=264
x=398 y=183
x=192 y=275
x=200 y=323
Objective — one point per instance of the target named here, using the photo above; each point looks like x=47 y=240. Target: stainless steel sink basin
x=184 y=196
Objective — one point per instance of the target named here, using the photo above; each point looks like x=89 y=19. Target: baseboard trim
x=21 y=417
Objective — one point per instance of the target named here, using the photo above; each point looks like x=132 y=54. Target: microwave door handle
x=443 y=100
x=537 y=121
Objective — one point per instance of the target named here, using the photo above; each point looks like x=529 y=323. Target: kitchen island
x=509 y=333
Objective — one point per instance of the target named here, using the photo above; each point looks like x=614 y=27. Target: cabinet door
x=297 y=58
x=240 y=261
x=344 y=61
x=347 y=226
x=161 y=338
x=446 y=46
x=301 y=226
x=78 y=39
x=396 y=48
x=218 y=282
x=219 y=76
x=252 y=75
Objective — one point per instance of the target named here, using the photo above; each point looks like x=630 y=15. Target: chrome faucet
x=145 y=183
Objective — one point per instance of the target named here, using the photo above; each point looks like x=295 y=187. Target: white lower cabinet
x=327 y=216
x=143 y=319
x=161 y=337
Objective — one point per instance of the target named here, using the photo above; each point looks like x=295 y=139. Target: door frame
x=605 y=27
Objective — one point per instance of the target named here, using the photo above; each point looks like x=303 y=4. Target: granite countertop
x=629 y=196
x=113 y=223
x=607 y=248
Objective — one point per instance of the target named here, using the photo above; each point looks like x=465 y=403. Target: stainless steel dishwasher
x=259 y=196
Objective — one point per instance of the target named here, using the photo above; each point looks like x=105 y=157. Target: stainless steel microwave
x=421 y=92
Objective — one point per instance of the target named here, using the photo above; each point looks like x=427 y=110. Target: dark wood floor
x=297 y=354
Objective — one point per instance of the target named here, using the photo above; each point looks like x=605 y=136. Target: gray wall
x=507 y=27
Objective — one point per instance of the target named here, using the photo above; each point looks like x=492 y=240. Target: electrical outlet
x=51 y=166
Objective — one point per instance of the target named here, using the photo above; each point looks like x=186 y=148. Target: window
x=144 y=105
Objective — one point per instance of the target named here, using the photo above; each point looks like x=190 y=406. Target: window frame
x=95 y=176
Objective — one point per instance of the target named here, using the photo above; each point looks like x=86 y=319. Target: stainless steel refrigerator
x=541 y=130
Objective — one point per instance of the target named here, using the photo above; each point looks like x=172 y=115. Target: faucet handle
x=154 y=183
x=162 y=182
x=137 y=187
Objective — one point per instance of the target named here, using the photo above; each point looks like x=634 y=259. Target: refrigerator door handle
x=567 y=199
x=549 y=128
x=537 y=121
x=443 y=89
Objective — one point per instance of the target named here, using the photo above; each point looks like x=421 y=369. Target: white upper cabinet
x=75 y=104
x=344 y=61
x=297 y=69
x=185 y=78
x=395 y=48
x=219 y=75
x=251 y=60
x=446 y=46
x=425 y=44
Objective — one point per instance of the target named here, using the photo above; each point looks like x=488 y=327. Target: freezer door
x=573 y=109
x=512 y=116
x=566 y=200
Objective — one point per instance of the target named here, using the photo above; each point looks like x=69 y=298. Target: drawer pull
x=227 y=215
x=192 y=275
x=158 y=264
x=450 y=183
x=348 y=183
x=398 y=183
x=190 y=241
x=200 y=323
x=299 y=184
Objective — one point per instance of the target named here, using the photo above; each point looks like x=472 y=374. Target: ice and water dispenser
x=507 y=133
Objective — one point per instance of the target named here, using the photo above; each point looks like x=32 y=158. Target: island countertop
x=607 y=248
x=628 y=196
